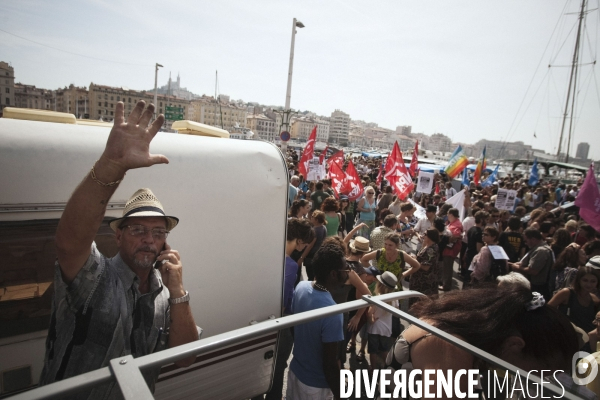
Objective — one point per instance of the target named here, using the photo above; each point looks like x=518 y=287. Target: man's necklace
x=320 y=287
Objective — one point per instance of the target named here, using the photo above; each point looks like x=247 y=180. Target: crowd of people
x=534 y=308
x=530 y=276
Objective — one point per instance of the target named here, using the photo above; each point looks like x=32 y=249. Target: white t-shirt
x=468 y=223
x=423 y=225
x=383 y=322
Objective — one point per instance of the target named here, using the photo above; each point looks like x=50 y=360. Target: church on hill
x=174 y=88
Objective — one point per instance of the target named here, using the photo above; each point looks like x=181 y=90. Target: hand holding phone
x=169 y=265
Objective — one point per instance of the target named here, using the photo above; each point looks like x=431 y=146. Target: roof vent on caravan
x=38 y=115
x=196 y=128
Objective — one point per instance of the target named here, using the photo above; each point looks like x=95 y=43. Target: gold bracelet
x=99 y=182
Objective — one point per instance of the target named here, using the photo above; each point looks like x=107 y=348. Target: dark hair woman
x=509 y=322
x=565 y=267
x=299 y=209
x=344 y=204
x=560 y=241
x=425 y=279
x=330 y=207
x=318 y=221
x=579 y=303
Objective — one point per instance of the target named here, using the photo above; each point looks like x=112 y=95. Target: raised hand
x=128 y=144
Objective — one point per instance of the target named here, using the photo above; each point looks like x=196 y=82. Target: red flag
x=337 y=157
x=308 y=153
x=414 y=163
x=397 y=174
x=391 y=160
x=339 y=183
x=588 y=200
x=437 y=188
x=356 y=187
x=323 y=155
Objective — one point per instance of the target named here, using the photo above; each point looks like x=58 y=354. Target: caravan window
x=27 y=256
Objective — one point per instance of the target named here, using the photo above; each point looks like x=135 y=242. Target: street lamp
x=287 y=112
x=156 y=88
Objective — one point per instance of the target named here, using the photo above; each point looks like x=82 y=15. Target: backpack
x=497 y=268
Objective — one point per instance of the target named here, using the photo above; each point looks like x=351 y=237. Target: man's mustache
x=147 y=249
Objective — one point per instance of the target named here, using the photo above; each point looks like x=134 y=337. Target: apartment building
x=222 y=114
x=439 y=142
x=103 y=99
x=73 y=100
x=7 y=85
x=339 y=128
x=263 y=127
x=303 y=126
x=28 y=96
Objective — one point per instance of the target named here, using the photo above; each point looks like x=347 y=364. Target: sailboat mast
x=574 y=66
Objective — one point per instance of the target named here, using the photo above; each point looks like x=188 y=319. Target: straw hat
x=144 y=203
x=388 y=279
x=360 y=244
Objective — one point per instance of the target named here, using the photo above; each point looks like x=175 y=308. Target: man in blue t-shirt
x=314 y=371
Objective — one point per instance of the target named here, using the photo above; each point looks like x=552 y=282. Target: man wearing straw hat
x=103 y=307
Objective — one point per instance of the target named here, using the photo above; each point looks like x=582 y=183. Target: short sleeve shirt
x=291 y=271
x=102 y=315
x=378 y=235
x=307 y=363
x=539 y=258
x=292 y=193
x=318 y=197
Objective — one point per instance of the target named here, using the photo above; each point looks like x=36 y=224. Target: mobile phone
x=157 y=264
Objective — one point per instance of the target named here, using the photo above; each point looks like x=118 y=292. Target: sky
x=466 y=68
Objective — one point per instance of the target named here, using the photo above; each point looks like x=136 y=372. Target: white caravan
x=230 y=196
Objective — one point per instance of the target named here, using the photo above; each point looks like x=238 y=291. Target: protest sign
x=425 y=183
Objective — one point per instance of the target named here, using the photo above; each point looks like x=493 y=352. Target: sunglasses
x=140 y=230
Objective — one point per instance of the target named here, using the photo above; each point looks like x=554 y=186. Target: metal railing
x=127 y=371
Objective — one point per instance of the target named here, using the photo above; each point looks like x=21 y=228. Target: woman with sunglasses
x=485 y=267
x=367 y=206
x=390 y=258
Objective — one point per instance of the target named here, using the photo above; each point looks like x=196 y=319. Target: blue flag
x=534 y=178
x=465 y=180
x=491 y=179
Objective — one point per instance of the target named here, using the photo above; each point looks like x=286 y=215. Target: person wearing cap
x=593 y=262
x=103 y=307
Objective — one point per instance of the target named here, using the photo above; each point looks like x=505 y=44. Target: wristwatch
x=183 y=299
